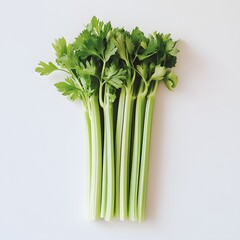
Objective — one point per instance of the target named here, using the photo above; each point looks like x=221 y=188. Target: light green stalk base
x=89 y=162
x=125 y=156
x=96 y=175
x=104 y=174
x=137 y=148
x=110 y=161
x=143 y=178
x=118 y=145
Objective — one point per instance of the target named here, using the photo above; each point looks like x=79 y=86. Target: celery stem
x=110 y=165
x=137 y=147
x=89 y=162
x=118 y=141
x=125 y=156
x=104 y=174
x=96 y=175
x=143 y=177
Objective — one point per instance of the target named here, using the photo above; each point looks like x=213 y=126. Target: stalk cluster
x=115 y=73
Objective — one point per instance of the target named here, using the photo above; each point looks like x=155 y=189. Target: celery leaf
x=45 y=68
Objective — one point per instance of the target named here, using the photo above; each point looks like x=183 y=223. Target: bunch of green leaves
x=89 y=62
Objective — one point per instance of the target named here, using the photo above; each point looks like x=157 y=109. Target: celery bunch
x=115 y=73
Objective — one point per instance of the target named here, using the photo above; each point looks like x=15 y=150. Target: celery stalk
x=143 y=176
x=96 y=176
x=137 y=146
x=118 y=145
x=104 y=175
x=108 y=109
x=89 y=162
x=125 y=156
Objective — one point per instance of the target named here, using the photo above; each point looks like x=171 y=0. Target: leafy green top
x=104 y=59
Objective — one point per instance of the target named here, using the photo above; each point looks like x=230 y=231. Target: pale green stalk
x=89 y=162
x=144 y=168
x=137 y=147
x=118 y=144
x=104 y=174
x=125 y=156
x=108 y=109
x=96 y=176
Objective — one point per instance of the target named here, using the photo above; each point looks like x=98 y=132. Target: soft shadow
x=186 y=60
x=189 y=63
x=156 y=158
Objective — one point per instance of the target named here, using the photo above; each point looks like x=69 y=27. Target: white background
x=194 y=184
